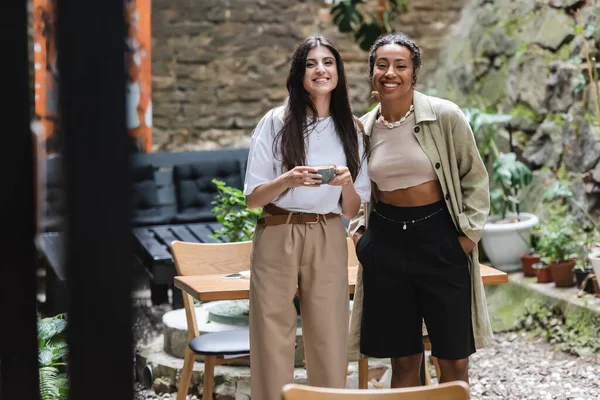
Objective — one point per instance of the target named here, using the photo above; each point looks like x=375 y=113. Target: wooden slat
x=183 y=233
x=203 y=232
x=215 y=226
x=155 y=249
x=165 y=235
x=142 y=233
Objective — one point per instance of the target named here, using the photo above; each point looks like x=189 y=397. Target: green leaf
x=45 y=356
x=231 y=211
x=59 y=353
x=346 y=16
x=367 y=34
x=49 y=327
x=48 y=383
x=556 y=190
x=497 y=202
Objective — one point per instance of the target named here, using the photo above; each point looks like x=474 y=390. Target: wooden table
x=215 y=287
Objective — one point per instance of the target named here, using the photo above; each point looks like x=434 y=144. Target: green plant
x=350 y=19
x=510 y=174
x=571 y=330
x=52 y=354
x=558 y=190
x=230 y=209
x=560 y=239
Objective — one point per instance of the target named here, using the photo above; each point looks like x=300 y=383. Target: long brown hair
x=291 y=139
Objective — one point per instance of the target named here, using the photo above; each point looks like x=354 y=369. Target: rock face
x=529 y=59
x=219 y=66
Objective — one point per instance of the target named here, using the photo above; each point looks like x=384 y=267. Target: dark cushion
x=146 y=207
x=222 y=343
x=195 y=190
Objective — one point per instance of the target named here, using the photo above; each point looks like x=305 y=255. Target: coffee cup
x=327 y=173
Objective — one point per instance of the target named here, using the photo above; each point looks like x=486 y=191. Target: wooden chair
x=446 y=391
x=209 y=259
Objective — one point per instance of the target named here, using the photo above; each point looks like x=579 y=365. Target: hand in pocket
x=467 y=244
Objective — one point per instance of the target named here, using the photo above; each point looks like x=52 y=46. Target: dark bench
x=172 y=196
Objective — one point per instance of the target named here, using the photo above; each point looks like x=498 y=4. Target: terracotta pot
x=596 y=285
x=527 y=260
x=543 y=273
x=562 y=273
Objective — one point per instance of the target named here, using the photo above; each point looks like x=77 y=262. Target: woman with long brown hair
x=300 y=241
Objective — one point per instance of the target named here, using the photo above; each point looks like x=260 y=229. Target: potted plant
x=502 y=238
x=503 y=235
x=559 y=194
x=542 y=272
x=529 y=259
x=559 y=246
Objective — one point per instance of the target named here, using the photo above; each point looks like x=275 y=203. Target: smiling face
x=320 y=75
x=393 y=72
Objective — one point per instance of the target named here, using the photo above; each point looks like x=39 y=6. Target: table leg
x=177 y=298
x=363 y=373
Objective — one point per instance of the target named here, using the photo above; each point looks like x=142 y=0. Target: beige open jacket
x=448 y=141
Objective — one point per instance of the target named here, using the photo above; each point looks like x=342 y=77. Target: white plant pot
x=504 y=244
x=595 y=260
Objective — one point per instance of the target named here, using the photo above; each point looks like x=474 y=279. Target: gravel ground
x=515 y=367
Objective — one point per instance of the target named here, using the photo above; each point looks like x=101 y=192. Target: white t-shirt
x=323 y=147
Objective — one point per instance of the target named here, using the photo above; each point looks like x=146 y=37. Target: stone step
x=175 y=331
x=231 y=381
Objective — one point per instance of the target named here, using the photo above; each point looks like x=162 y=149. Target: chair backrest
x=352 y=258
x=211 y=258
x=446 y=391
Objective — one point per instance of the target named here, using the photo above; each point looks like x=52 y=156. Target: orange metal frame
x=139 y=80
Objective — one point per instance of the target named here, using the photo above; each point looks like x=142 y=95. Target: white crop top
x=397 y=160
x=323 y=147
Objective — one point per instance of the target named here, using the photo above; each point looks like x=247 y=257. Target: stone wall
x=219 y=65
x=528 y=58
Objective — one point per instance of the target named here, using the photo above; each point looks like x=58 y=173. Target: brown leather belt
x=280 y=216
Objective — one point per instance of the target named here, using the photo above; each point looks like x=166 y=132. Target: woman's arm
x=350 y=200
x=266 y=193
x=473 y=181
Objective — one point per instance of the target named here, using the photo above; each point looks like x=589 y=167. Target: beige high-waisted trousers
x=314 y=260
